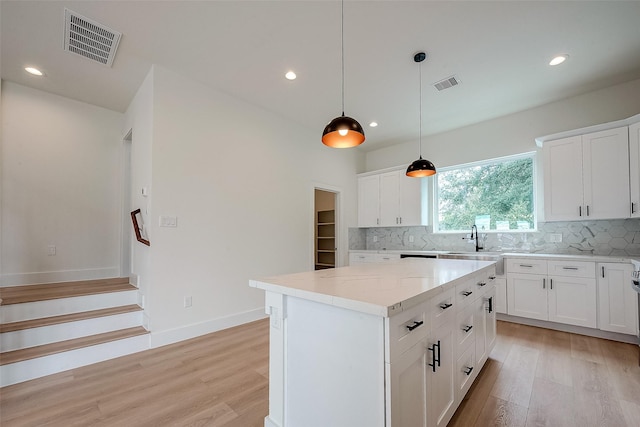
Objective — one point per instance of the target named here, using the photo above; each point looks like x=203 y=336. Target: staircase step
x=62 y=346
x=66 y=318
x=42 y=292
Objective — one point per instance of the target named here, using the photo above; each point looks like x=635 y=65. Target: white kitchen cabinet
x=500 y=302
x=566 y=294
x=634 y=168
x=409 y=387
x=485 y=323
x=390 y=199
x=575 y=187
x=617 y=302
x=441 y=376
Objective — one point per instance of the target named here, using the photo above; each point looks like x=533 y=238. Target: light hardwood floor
x=535 y=377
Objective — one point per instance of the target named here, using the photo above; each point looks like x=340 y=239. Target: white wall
x=514 y=133
x=240 y=181
x=60 y=167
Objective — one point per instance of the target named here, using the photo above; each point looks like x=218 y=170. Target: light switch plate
x=168 y=221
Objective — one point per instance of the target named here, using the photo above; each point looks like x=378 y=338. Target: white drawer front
x=407 y=328
x=526 y=266
x=465 y=368
x=572 y=268
x=465 y=334
x=466 y=293
x=443 y=308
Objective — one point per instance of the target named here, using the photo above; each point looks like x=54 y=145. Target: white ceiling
x=499 y=50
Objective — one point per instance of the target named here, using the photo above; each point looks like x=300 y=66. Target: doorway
x=325 y=229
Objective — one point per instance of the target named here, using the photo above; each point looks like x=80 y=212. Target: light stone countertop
x=382 y=289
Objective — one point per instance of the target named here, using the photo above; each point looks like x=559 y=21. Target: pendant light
x=421 y=167
x=343 y=131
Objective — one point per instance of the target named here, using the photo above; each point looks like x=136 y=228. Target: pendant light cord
x=342 y=40
x=420 y=132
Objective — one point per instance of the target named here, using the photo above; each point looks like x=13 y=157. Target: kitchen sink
x=479 y=256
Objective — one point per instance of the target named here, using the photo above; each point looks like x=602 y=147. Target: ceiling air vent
x=87 y=38
x=447 y=83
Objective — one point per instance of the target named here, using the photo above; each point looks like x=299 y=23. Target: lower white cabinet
x=408 y=390
x=500 y=303
x=617 y=302
x=441 y=390
x=567 y=296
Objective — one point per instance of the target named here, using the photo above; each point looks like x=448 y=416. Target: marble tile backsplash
x=619 y=237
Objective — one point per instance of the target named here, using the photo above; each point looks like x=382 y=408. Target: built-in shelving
x=325 y=240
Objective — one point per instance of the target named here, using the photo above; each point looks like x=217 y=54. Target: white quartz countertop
x=595 y=258
x=382 y=289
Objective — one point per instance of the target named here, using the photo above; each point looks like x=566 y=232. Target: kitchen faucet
x=476 y=239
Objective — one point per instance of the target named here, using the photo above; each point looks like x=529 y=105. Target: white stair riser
x=65 y=331
x=35 y=368
x=56 y=307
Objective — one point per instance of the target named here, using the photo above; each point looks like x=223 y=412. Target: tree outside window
x=495 y=196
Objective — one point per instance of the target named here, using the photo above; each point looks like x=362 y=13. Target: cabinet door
x=572 y=300
x=527 y=295
x=368 y=201
x=634 y=168
x=389 y=199
x=441 y=383
x=606 y=174
x=500 y=303
x=490 y=326
x=617 y=301
x=410 y=209
x=408 y=388
x=563 y=186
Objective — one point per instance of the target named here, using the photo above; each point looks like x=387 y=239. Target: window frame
x=534 y=171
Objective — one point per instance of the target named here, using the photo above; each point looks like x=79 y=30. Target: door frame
x=338 y=228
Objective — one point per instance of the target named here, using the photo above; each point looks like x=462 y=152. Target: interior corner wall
x=240 y=181
x=515 y=133
x=60 y=165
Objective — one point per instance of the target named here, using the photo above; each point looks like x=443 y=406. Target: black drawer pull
x=467 y=293
x=467 y=328
x=436 y=359
x=492 y=277
x=468 y=370
x=569 y=268
x=526 y=265
x=482 y=283
x=445 y=306
x=415 y=325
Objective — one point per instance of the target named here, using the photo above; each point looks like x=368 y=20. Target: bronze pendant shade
x=421 y=167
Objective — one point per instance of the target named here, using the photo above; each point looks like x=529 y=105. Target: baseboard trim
x=17 y=279
x=580 y=330
x=159 y=339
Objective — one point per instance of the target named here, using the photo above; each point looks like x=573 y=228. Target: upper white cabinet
x=587 y=176
x=390 y=199
x=634 y=168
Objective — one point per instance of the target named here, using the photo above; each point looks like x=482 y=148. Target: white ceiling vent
x=447 y=83
x=87 y=38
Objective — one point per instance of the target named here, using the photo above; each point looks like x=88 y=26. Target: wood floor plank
x=549 y=404
x=515 y=381
x=631 y=412
x=500 y=413
x=555 y=359
x=586 y=348
x=30 y=293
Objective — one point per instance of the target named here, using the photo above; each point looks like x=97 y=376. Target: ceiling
x=499 y=51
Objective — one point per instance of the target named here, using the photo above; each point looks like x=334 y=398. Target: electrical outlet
x=51 y=250
x=188 y=301
x=555 y=237
x=168 y=221
x=410 y=239
x=375 y=239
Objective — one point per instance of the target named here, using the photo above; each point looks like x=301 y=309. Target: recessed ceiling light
x=558 y=59
x=373 y=124
x=290 y=75
x=34 y=71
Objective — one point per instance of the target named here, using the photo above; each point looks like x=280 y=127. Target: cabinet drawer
x=572 y=268
x=407 y=328
x=465 y=374
x=443 y=308
x=527 y=266
x=465 y=333
x=466 y=293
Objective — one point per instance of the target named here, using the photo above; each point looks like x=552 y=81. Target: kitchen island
x=393 y=344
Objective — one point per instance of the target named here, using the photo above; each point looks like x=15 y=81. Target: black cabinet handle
x=445 y=306
x=468 y=370
x=603 y=271
x=580 y=211
x=550 y=283
x=544 y=283
x=490 y=308
x=492 y=277
x=467 y=293
x=467 y=328
x=415 y=325
x=482 y=283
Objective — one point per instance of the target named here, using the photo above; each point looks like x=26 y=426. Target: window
x=495 y=195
